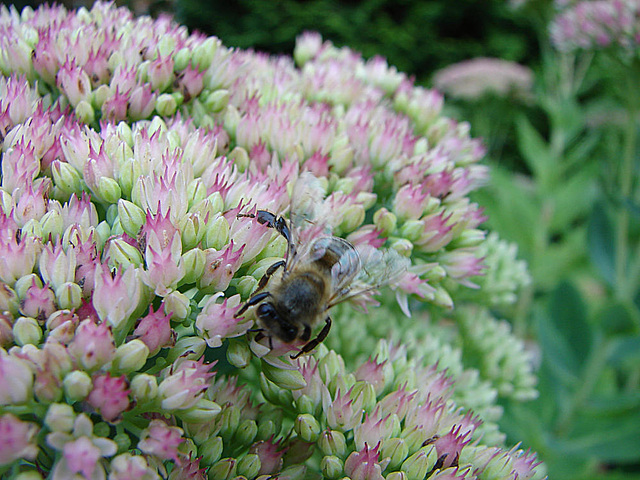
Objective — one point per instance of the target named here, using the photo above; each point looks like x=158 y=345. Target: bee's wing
x=305 y=215
x=379 y=267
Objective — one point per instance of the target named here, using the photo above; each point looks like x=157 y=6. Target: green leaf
x=568 y=313
x=533 y=148
x=625 y=351
x=602 y=247
x=615 y=318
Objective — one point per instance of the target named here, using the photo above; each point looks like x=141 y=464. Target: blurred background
x=557 y=107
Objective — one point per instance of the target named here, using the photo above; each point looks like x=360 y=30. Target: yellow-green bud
x=69 y=296
x=84 y=112
x=307 y=427
x=203 y=411
x=246 y=285
x=52 y=225
x=403 y=246
x=442 y=297
x=203 y=53
x=246 y=431
x=412 y=230
x=100 y=95
x=332 y=442
x=397 y=476
x=230 y=121
x=66 y=178
x=102 y=233
x=193 y=229
x=217 y=233
x=121 y=253
x=211 y=450
x=191 y=347
x=420 y=463
x=9 y=300
x=32 y=228
x=24 y=283
x=178 y=305
x=217 y=101
x=396 y=449
x=468 y=238
x=330 y=366
x=26 y=330
x=353 y=218
x=229 y=420
x=193 y=261
x=28 y=475
x=60 y=417
x=295 y=472
x=130 y=356
x=304 y=404
x=385 y=221
x=77 y=385
x=179 y=100
x=123 y=441
x=238 y=354
x=223 y=469
x=181 y=59
x=331 y=466
x=108 y=190
x=132 y=217
x=128 y=173
x=269 y=425
x=287 y=379
x=166 y=105
x=366 y=392
x=144 y=388
x=196 y=190
x=249 y=465
x=341 y=154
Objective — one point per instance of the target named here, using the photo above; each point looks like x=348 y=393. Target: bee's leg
x=267 y=275
x=279 y=223
x=251 y=302
x=314 y=343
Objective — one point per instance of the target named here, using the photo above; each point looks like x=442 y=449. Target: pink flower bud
x=116 y=295
x=364 y=465
x=92 y=345
x=220 y=267
x=270 y=453
x=17 y=258
x=74 y=83
x=109 y=396
x=184 y=383
x=216 y=321
x=16 y=380
x=161 y=440
x=155 y=330
x=17 y=439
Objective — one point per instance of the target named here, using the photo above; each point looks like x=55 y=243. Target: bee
x=316 y=276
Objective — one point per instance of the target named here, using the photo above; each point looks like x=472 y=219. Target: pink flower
x=116 y=295
x=16 y=380
x=377 y=374
x=164 y=263
x=38 y=302
x=56 y=265
x=155 y=330
x=270 y=453
x=342 y=413
x=364 y=465
x=216 y=321
x=184 y=383
x=374 y=429
x=92 y=345
x=161 y=440
x=17 y=439
x=31 y=201
x=17 y=257
x=450 y=445
x=221 y=266
x=82 y=456
x=74 y=82
x=110 y=396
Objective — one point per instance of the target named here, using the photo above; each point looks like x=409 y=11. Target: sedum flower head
x=127 y=247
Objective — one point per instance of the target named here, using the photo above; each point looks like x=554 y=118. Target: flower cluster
x=477 y=77
x=129 y=150
x=597 y=24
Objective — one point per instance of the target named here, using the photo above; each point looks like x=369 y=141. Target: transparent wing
x=305 y=214
x=379 y=267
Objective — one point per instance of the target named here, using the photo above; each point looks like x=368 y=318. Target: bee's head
x=273 y=322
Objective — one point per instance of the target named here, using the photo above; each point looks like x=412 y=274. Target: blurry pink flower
x=18 y=100
x=270 y=453
x=131 y=467
x=373 y=430
x=216 y=321
x=82 y=456
x=17 y=439
x=74 y=82
x=16 y=380
x=92 y=345
x=17 y=257
x=56 y=265
x=524 y=463
x=410 y=201
x=364 y=465
x=110 y=396
x=161 y=440
x=31 y=201
x=38 y=302
x=155 y=330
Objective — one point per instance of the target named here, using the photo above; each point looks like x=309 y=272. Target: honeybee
x=316 y=275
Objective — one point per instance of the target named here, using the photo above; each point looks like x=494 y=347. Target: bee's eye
x=267 y=312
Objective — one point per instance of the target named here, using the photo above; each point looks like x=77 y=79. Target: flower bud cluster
x=127 y=245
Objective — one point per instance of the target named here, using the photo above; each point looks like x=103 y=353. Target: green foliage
x=416 y=37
